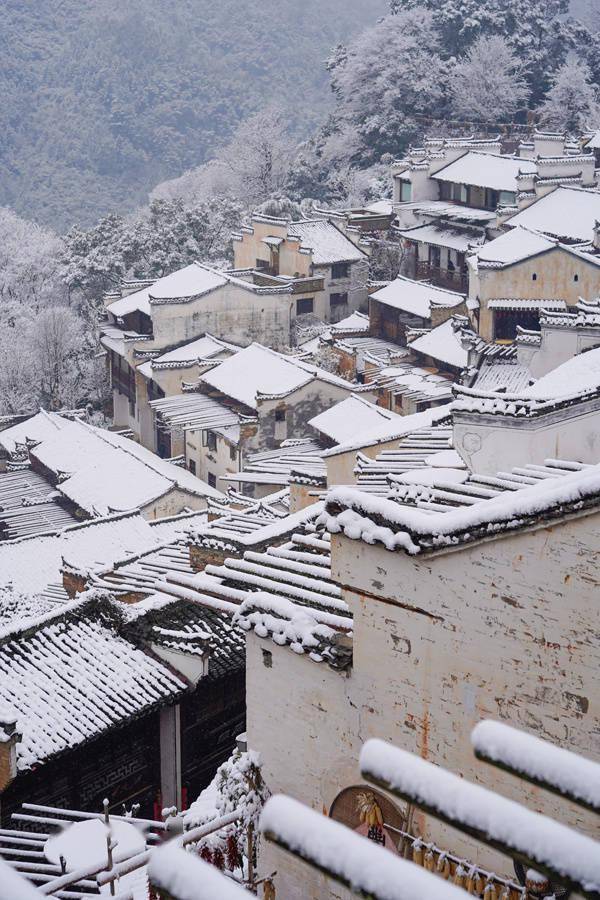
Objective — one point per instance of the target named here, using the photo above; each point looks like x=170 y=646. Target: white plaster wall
x=490 y=444
x=216 y=462
x=504 y=629
x=301 y=720
x=231 y=313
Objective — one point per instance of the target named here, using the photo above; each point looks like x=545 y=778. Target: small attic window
x=575 y=277
x=534 y=276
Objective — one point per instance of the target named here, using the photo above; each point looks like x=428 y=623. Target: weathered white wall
x=301 y=720
x=503 y=629
x=493 y=443
x=557 y=346
x=232 y=313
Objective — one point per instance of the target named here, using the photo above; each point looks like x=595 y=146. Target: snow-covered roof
x=443 y=344
x=397 y=430
x=576 y=375
x=594 y=142
x=486 y=170
x=509 y=303
x=39 y=427
x=514 y=246
x=193 y=411
x=374 y=519
x=276 y=466
x=191 y=281
x=416 y=297
x=138 y=301
x=355 y=322
x=442 y=235
x=565 y=213
x=31 y=564
x=352 y=417
x=205 y=347
x=328 y=244
x=103 y=472
x=259 y=370
x=29 y=505
x=70 y=676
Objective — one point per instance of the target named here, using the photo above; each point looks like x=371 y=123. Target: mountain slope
x=103 y=100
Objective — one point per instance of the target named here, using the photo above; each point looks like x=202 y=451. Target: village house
x=405 y=304
x=327 y=267
x=522 y=272
x=93 y=472
x=97 y=704
x=451 y=196
x=175 y=311
x=252 y=402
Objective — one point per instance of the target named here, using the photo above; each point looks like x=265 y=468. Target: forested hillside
x=103 y=100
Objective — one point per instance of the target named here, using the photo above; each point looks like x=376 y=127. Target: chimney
x=9 y=738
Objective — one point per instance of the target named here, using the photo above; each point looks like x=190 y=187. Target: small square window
x=212 y=480
x=211 y=440
x=340 y=270
x=280 y=414
x=232 y=452
x=267 y=659
x=575 y=277
x=534 y=277
x=304 y=305
x=192 y=466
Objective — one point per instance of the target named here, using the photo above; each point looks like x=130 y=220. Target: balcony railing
x=446 y=278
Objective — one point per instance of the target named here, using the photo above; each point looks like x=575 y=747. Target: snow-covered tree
x=573 y=102
x=385 y=80
x=259 y=157
x=539 y=31
x=29 y=262
x=488 y=82
x=237 y=786
x=57 y=343
x=95 y=260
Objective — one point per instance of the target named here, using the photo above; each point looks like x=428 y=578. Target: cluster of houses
x=330 y=509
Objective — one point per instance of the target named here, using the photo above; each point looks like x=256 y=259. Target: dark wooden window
x=212 y=480
x=280 y=414
x=211 y=440
x=340 y=270
x=192 y=466
x=304 y=305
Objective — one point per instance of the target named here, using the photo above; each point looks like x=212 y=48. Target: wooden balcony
x=445 y=278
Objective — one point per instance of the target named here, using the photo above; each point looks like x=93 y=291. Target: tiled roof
x=71 y=676
x=328 y=244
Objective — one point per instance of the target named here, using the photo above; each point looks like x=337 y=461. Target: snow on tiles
x=539 y=760
x=540 y=839
x=348 y=857
x=377 y=519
